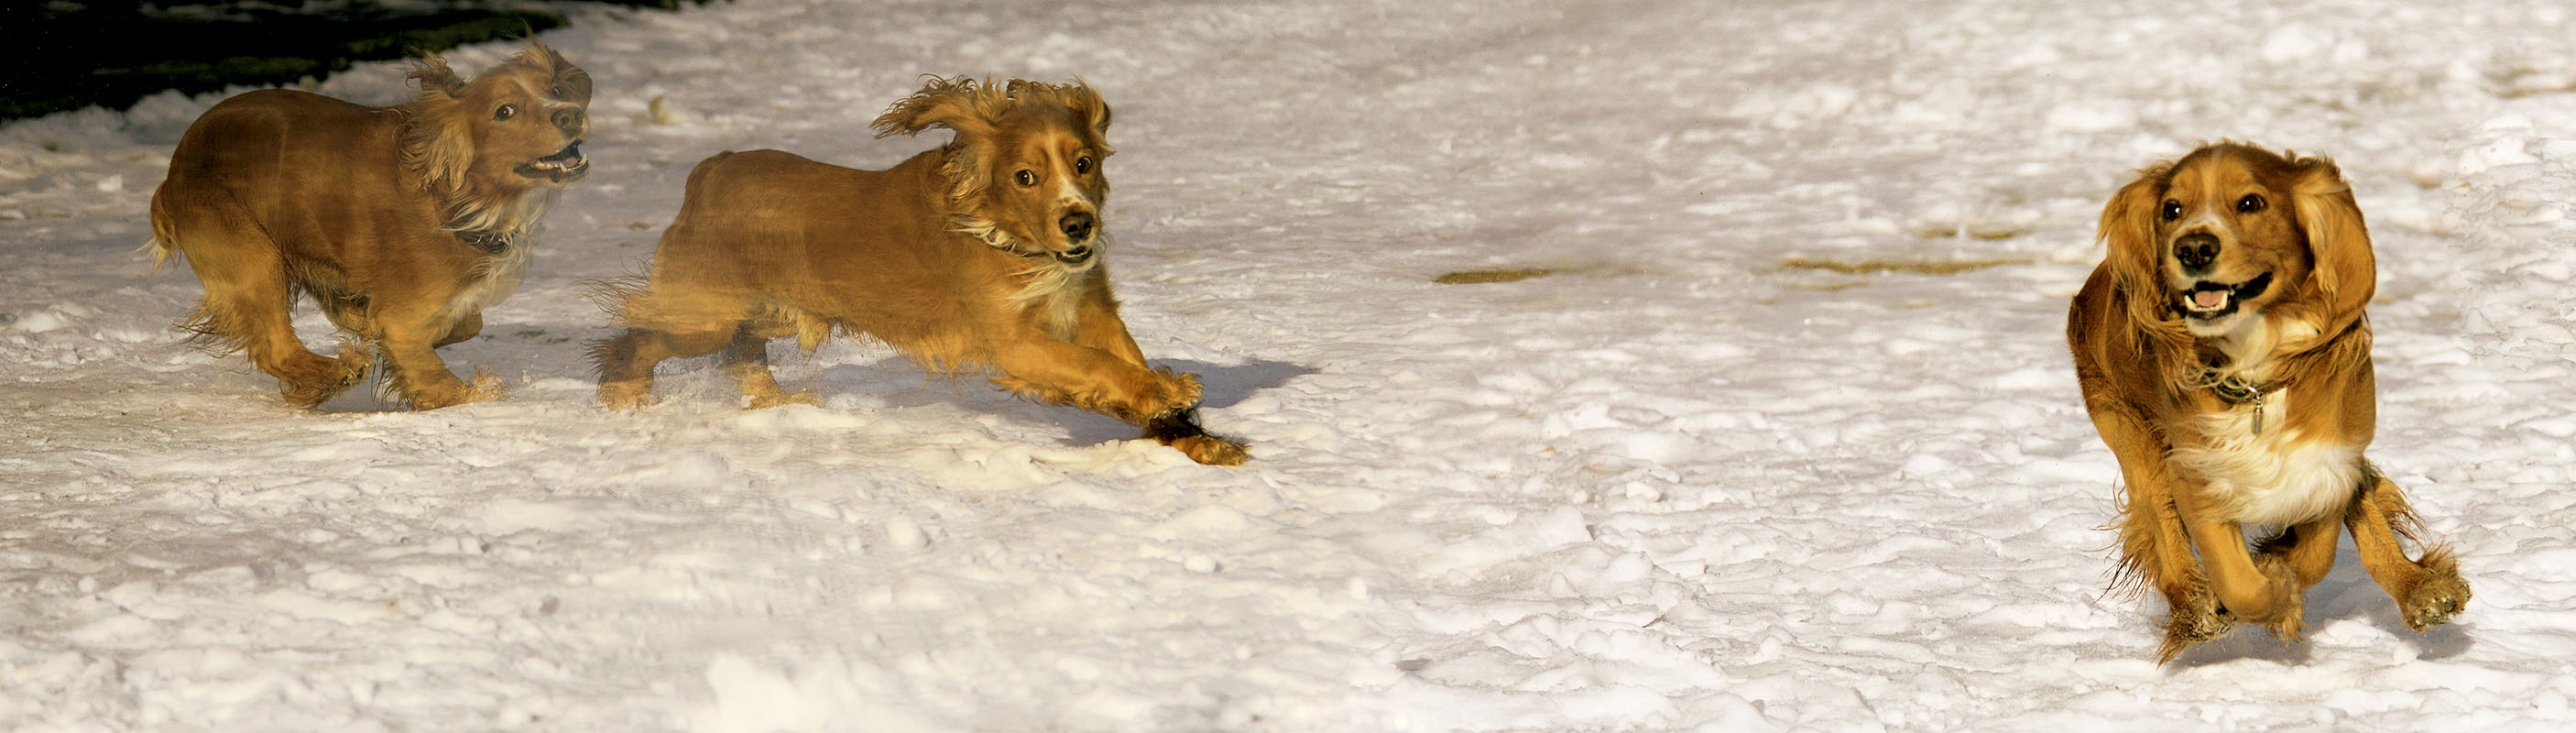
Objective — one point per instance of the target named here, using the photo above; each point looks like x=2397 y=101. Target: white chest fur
x=1055 y=293
x=494 y=279
x=2278 y=476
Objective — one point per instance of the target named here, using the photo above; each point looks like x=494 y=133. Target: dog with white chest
x=2224 y=355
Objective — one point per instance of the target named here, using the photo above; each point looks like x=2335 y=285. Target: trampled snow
x=1718 y=469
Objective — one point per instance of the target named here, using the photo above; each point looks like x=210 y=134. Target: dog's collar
x=2235 y=390
x=491 y=242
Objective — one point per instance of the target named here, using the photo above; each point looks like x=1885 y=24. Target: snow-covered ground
x=1695 y=479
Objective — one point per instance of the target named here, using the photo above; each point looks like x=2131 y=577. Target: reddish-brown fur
x=374 y=212
x=2188 y=398
x=980 y=256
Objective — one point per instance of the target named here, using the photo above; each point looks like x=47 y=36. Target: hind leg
x=248 y=302
x=746 y=360
x=2429 y=590
x=626 y=361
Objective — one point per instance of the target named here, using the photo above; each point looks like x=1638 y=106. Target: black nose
x=570 y=120
x=1076 y=226
x=2196 y=251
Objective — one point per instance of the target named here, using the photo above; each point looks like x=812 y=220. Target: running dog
x=986 y=255
x=2225 y=358
x=403 y=223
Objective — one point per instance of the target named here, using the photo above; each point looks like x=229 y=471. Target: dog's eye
x=2250 y=204
x=1028 y=178
x=559 y=92
x=2173 y=210
x=506 y=111
x=1082 y=164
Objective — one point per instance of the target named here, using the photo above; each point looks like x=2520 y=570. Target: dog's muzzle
x=1074 y=255
x=2196 y=252
x=1077 y=227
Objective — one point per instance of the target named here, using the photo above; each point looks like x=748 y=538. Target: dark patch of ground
x=69 y=54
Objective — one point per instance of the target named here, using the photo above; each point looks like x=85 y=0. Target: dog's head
x=1024 y=171
x=2232 y=232
x=516 y=127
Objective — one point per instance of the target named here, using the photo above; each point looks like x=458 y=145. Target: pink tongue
x=2209 y=298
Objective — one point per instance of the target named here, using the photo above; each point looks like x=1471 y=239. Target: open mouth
x=1073 y=257
x=564 y=166
x=2208 y=300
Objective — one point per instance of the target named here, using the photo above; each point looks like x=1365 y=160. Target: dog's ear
x=2346 y=273
x=435 y=77
x=1087 y=103
x=569 y=82
x=436 y=143
x=958 y=104
x=1077 y=96
x=963 y=106
x=2129 y=229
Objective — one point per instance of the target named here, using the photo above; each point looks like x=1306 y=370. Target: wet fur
x=276 y=193
x=2199 y=466
x=963 y=258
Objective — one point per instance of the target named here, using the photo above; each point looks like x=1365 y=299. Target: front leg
x=1099 y=327
x=1047 y=370
x=2155 y=550
x=2265 y=594
x=419 y=376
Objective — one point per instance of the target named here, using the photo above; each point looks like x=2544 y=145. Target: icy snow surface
x=1682 y=483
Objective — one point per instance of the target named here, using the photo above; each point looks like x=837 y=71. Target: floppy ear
x=435 y=77
x=574 y=81
x=2346 y=273
x=435 y=140
x=1087 y=103
x=1076 y=96
x=2129 y=229
x=958 y=104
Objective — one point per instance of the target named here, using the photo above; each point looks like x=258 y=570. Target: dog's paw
x=1211 y=450
x=2186 y=630
x=627 y=395
x=2183 y=632
x=2289 y=610
x=484 y=388
x=1176 y=392
x=2195 y=619
x=332 y=377
x=2438 y=596
x=1181 y=431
